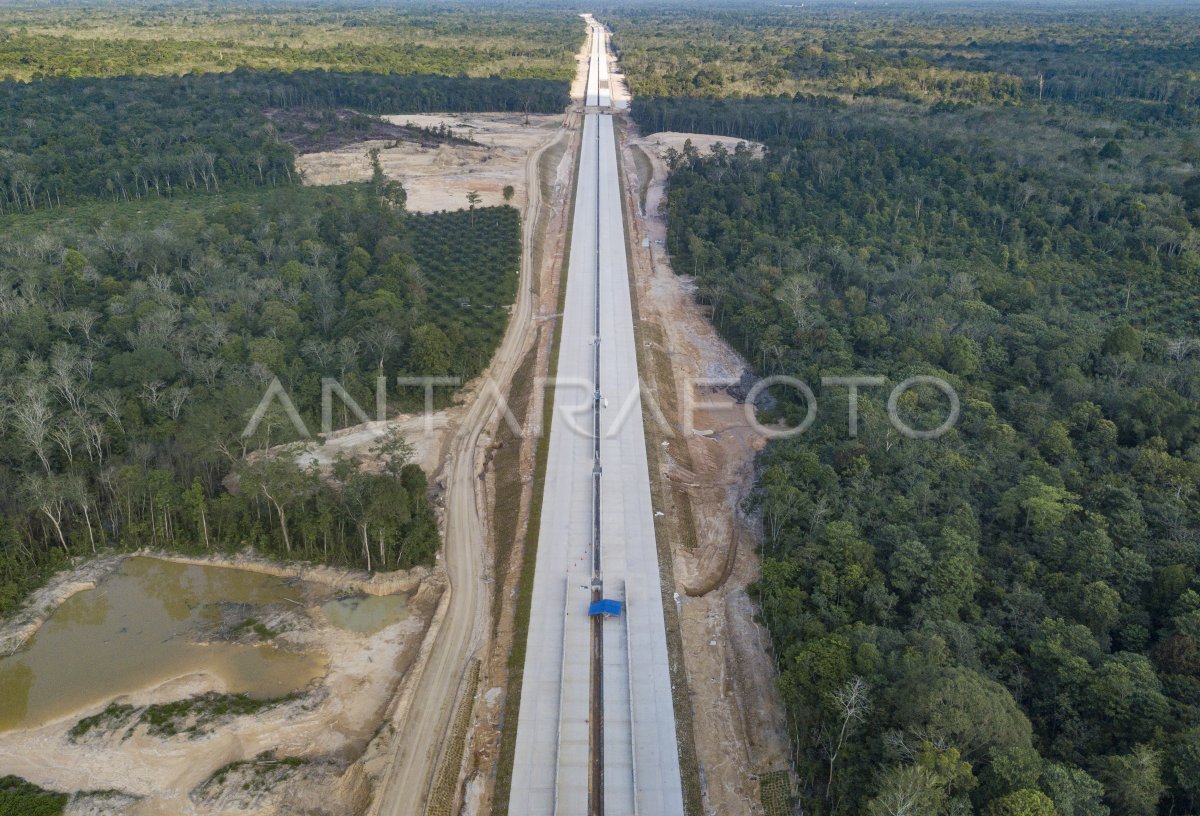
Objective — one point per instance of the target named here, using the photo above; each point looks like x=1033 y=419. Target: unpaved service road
x=404 y=790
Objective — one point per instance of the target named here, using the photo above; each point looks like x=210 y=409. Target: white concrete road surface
x=640 y=755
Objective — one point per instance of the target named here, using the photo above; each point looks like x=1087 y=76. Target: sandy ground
x=706 y=468
x=439 y=178
x=427 y=435
x=330 y=725
x=661 y=142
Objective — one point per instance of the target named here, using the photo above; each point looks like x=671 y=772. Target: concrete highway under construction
x=596 y=732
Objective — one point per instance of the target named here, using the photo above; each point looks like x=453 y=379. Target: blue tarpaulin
x=605 y=607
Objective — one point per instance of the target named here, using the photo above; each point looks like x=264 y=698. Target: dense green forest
x=452 y=39
x=1004 y=620
x=161 y=314
x=1138 y=61
x=131 y=138
x=139 y=341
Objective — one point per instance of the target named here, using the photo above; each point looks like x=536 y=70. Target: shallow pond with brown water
x=137 y=628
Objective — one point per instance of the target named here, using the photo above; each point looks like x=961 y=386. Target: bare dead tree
x=49 y=496
x=152 y=392
x=380 y=339
x=853 y=703
x=108 y=402
x=796 y=293
x=65 y=434
x=31 y=416
x=177 y=395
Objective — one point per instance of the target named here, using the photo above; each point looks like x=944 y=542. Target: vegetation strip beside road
x=998 y=602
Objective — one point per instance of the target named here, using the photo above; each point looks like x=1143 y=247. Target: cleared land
x=439 y=177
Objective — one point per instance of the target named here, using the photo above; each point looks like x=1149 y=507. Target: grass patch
x=20 y=798
x=257 y=627
x=645 y=172
x=441 y=799
x=662 y=381
x=263 y=771
x=192 y=715
x=508 y=490
x=112 y=717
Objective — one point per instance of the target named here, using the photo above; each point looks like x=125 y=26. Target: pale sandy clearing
x=425 y=434
x=661 y=142
x=439 y=178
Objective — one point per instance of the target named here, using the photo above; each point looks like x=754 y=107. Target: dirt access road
x=462 y=634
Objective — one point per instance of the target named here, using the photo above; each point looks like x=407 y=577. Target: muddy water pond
x=139 y=627
x=366 y=614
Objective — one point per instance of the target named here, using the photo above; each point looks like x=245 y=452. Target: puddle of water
x=367 y=614
x=134 y=630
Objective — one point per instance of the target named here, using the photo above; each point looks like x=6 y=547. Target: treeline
x=138 y=344
x=324 y=130
x=1004 y=620
x=40 y=56
x=130 y=138
x=78 y=40
x=1136 y=62
x=763 y=119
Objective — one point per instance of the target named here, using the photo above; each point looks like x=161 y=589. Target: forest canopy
x=150 y=137
x=139 y=342
x=1004 y=620
x=1135 y=60
x=104 y=40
